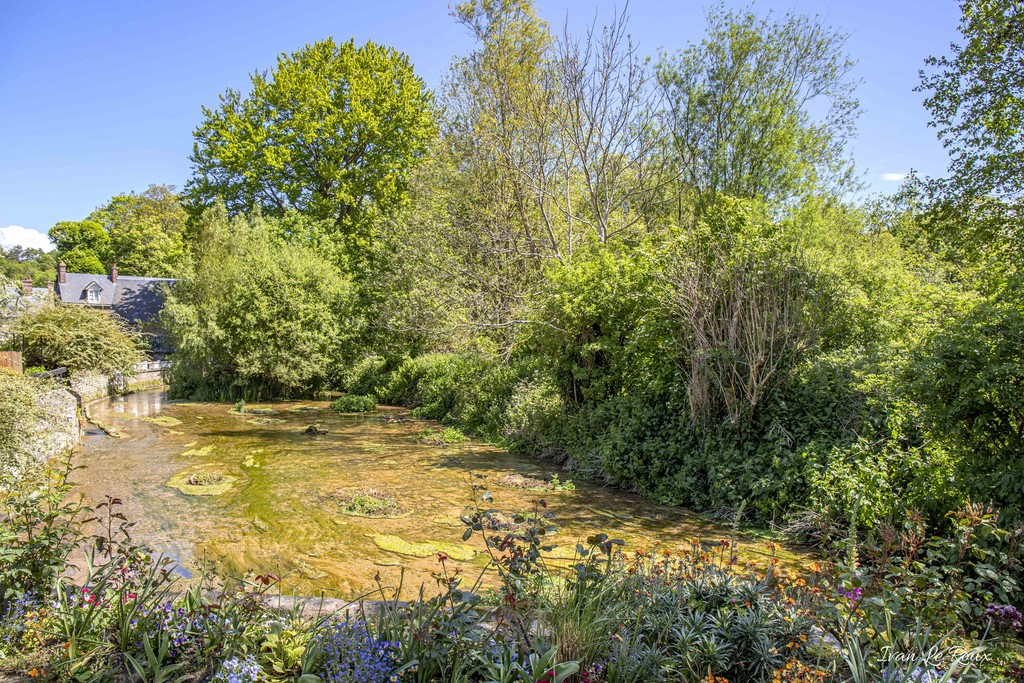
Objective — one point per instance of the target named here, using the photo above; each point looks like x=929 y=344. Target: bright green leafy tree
x=83 y=245
x=333 y=131
x=741 y=104
x=976 y=99
x=146 y=231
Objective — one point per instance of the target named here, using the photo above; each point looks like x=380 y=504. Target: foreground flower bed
x=611 y=614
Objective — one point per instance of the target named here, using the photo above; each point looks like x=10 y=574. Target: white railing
x=151 y=365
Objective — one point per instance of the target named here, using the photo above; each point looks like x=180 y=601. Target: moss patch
x=264 y=420
x=520 y=481
x=242 y=409
x=200 y=483
x=394 y=544
x=163 y=420
x=445 y=437
x=203 y=450
x=367 y=503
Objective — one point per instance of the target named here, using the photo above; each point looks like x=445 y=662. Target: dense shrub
x=368 y=376
x=19 y=411
x=40 y=526
x=354 y=403
x=80 y=338
x=255 y=317
x=967 y=378
x=470 y=389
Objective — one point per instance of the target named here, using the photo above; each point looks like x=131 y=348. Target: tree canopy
x=146 y=231
x=761 y=108
x=84 y=246
x=333 y=131
x=976 y=99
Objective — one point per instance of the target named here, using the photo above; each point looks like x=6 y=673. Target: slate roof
x=136 y=299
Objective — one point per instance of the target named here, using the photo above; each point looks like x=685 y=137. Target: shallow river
x=281 y=512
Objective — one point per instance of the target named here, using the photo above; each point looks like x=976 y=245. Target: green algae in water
x=289 y=494
x=304 y=409
x=204 y=450
x=252 y=411
x=163 y=420
x=190 y=483
x=395 y=544
x=264 y=420
x=308 y=571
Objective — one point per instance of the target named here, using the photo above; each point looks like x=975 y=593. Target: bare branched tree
x=606 y=112
x=743 y=324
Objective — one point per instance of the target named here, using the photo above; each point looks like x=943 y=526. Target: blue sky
x=99 y=98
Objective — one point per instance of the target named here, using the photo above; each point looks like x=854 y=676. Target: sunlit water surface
x=281 y=513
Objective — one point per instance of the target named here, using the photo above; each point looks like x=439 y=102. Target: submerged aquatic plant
x=204 y=478
x=445 y=437
x=368 y=503
x=354 y=403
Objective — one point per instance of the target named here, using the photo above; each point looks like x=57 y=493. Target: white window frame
x=92 y=294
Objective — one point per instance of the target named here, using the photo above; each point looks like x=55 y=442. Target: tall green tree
x=18 y=263
x=146 y=231
x=976 y=99
x=761 y=108
x=83 y=245
x=333 y=131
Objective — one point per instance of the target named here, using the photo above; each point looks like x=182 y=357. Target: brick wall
x=11 y=359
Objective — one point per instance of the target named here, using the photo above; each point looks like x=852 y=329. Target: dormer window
x=92 y=294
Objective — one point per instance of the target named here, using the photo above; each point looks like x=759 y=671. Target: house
x=137 y=300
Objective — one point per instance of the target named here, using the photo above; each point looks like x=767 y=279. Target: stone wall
x=58 y=429
x=93 y=386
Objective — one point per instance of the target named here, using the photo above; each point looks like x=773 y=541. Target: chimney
x=113 y=273
x=26 y=287
x=62 y=273
x=49 y=287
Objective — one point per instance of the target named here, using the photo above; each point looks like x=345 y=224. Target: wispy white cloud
x=17 y=235
x=894 y=177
